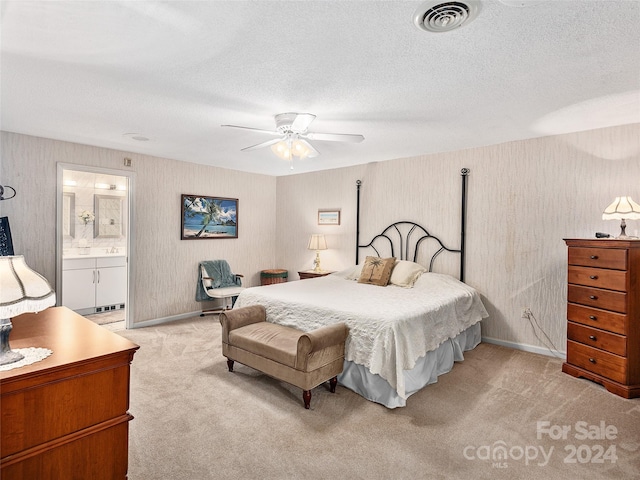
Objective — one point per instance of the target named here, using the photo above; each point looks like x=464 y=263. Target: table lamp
x=21 y=290
x=620 y=209
x=317 y=242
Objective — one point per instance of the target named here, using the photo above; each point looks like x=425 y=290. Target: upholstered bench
x=304 y=360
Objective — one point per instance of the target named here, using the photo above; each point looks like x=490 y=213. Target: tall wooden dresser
x=603 y=312
x=66 y=417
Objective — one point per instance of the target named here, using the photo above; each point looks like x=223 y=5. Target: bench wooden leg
x=306 y=396
x=332 y=384
x=230 y=365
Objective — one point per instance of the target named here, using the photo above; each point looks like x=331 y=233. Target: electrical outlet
x=526 y=313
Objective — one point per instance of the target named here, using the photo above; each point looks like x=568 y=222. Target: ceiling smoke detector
x=442 y=16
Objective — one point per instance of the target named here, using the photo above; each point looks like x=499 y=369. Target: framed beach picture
x=328 y=217
x=209 y=217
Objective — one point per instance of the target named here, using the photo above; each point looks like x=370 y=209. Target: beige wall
x=524 y=198
x=165 y=267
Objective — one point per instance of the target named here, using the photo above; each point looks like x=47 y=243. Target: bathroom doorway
x=94 y=239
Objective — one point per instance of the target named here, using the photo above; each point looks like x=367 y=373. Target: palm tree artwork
x=201 y=213
x=375 y=263
x=211 y=214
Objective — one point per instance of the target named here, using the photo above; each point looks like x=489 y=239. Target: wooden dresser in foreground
x=603 y=312
x=66 y=417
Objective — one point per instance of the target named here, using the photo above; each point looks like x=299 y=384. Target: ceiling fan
x=293 y=136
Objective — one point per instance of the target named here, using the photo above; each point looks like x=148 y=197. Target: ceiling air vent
x=439 y=16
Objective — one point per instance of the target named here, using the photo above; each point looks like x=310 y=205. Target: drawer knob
x=593 y=277
x=593 y=317
x=593 y=297
x=594 y=257
x=592 y=360
x=592 y=337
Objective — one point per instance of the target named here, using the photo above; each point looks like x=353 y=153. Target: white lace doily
x=31 y=355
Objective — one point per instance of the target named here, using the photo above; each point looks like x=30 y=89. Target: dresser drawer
x=597 y=361
x=596 y=297
x=611 y=342
x=593 y=317
x=598 y=257
x=598 y=277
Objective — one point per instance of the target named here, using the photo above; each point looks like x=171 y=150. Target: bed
x=401 y=336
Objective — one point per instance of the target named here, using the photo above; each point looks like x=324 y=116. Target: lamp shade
x=317 y=242
x=622 y=208
x=21 y=289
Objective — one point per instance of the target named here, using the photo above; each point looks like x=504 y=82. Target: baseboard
x=171 y=318
x=525 y=348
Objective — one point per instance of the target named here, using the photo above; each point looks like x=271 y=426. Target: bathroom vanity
x=94 y=283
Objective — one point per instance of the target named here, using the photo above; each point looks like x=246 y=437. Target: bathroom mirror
x=68 y=207
x=108 y=211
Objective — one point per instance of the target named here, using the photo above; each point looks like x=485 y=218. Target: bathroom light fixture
x=620 y=209
x=107 y=186
x=317 y=242
x=22 y=290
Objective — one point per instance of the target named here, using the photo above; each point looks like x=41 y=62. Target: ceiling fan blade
x=302 y=122
x=335 y=137
x=261 y=145
x=270 y=132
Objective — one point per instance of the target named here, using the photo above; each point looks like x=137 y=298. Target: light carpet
x=194 y=420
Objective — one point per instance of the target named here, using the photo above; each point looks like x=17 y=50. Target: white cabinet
x=79 y=283
x=89 y=283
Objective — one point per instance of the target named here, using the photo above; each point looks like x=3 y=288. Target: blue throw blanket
x=220 y=272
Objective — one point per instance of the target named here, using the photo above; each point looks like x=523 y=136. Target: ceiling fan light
x=300 y=149
x=291 y=128
x=281 y=149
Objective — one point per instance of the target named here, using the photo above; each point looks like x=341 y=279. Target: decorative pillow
x=353 y=273
x=377 y=271
x=406 y=273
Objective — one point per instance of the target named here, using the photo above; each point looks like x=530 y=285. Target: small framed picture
x=328 y=217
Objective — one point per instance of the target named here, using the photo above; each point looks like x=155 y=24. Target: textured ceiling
x=91 y=72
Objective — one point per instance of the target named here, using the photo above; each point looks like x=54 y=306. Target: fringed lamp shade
x=622 y=208
x=21 y=290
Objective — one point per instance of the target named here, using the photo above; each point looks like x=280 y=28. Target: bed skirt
x=436 y=362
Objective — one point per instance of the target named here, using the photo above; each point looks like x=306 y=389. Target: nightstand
x=313 y=274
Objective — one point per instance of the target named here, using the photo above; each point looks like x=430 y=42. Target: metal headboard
x=402 y=233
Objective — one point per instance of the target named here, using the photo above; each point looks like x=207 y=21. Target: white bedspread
x=389 y=327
